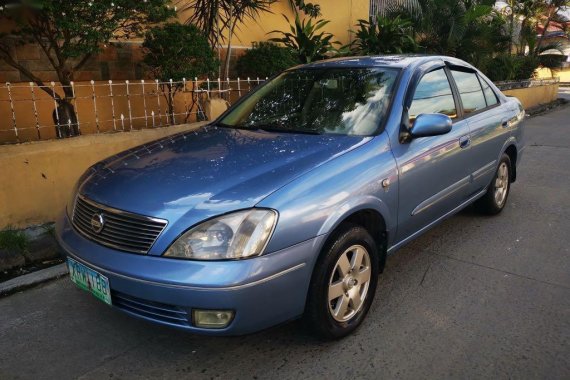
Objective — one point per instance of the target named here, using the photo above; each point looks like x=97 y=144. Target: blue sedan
x=288 y=204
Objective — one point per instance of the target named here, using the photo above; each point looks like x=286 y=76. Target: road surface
x=477 y=297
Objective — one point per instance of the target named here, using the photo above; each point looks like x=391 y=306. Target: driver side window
x=433 y=95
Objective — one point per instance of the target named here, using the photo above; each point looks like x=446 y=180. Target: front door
x=433 y=171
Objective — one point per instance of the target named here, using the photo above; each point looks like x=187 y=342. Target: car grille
x=156 y=311
x=121 y=230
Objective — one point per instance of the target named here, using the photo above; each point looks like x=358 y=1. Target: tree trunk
x=511 y=30
x=64 y=116
x=546 y=25
x=229 y=47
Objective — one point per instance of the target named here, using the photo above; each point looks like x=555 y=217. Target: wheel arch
x=512 y=152
x=367 y=216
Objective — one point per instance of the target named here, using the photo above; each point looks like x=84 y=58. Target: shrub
x=507 y=67
x=306 y=39
x=384 y=36
x=264 y=60
x=14 y=241
x=552 y=61
x=175 y=51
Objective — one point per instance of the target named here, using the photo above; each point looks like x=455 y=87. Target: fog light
x=212 y=319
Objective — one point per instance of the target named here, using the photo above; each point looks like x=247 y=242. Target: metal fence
x=29 y=113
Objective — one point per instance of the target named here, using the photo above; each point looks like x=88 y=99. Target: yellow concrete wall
x=36 y=178
x=563 y=74
x=343 y=15
x=535 y=96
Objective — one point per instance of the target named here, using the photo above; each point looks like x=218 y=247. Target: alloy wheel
x=349 y=283
x=501 y=184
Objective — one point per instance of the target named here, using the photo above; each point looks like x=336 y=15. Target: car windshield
x=347 y=101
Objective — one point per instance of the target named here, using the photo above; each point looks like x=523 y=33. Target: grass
x=49 y=229
x=13 y=240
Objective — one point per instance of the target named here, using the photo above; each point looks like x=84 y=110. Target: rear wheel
x=343 y=284
x=496 y=196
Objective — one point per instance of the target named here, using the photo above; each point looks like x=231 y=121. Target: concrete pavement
x=477 y=297
x=564 y=92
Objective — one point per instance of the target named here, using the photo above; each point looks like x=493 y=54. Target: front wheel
x=496 y=196
x=343 y=284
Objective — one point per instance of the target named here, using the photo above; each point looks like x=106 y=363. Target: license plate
x=89 y=280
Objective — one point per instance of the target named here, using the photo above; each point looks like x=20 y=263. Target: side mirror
x=431 y=124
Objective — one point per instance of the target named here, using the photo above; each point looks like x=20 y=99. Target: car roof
x=397 y=61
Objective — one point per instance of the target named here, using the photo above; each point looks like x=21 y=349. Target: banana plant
x=307 y=39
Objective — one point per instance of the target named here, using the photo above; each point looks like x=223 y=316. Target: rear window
x=470 y=91
x=490 y=95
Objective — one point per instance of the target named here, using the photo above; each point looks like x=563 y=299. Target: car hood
x=198 y=174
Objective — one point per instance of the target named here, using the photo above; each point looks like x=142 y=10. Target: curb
x=32 y=279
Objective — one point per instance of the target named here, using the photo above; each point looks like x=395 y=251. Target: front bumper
x=262 y=291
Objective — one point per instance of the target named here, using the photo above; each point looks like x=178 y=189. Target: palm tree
x=390 y=8
x=216 y=17
x=552 y=15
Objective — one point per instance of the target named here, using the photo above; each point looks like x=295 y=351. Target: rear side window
x=470 y=91
x=490 y=95
x=433 y=95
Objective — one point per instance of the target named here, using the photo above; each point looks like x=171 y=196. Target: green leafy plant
x=506 y=67
x=176 y=51
x=265 y=59
x=310 y=9
x=407 y=8
x=306 y=39
x=384 y=36
x=14 y=241
x=219 y=19
x=70 y=33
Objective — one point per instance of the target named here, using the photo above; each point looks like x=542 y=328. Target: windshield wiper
x=278 y=128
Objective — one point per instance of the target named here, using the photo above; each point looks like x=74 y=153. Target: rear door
x=488 y=123
x=433 y=171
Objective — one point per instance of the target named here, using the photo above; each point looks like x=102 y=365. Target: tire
x=495 y=199
x=335 y=275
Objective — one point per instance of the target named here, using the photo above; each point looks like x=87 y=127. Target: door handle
x=464 y=141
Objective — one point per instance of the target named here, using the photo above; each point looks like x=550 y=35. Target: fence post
x=35 y=110
x=238 y=88
x=158 y=102
x=172 y=103
x=185 y=102
x=58 y=127
x=94 y=105
x=229 y=92
x=248 y=84
x=76 y=106
x=112 y=105
x=208 y=86
x=123 y=122
x=220 y=93
x=144 y=104
x=153 y=125
x=13 y=112
x=196 y=97
x=129 y=105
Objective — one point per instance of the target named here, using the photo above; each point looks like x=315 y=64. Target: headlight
x=233 y=236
